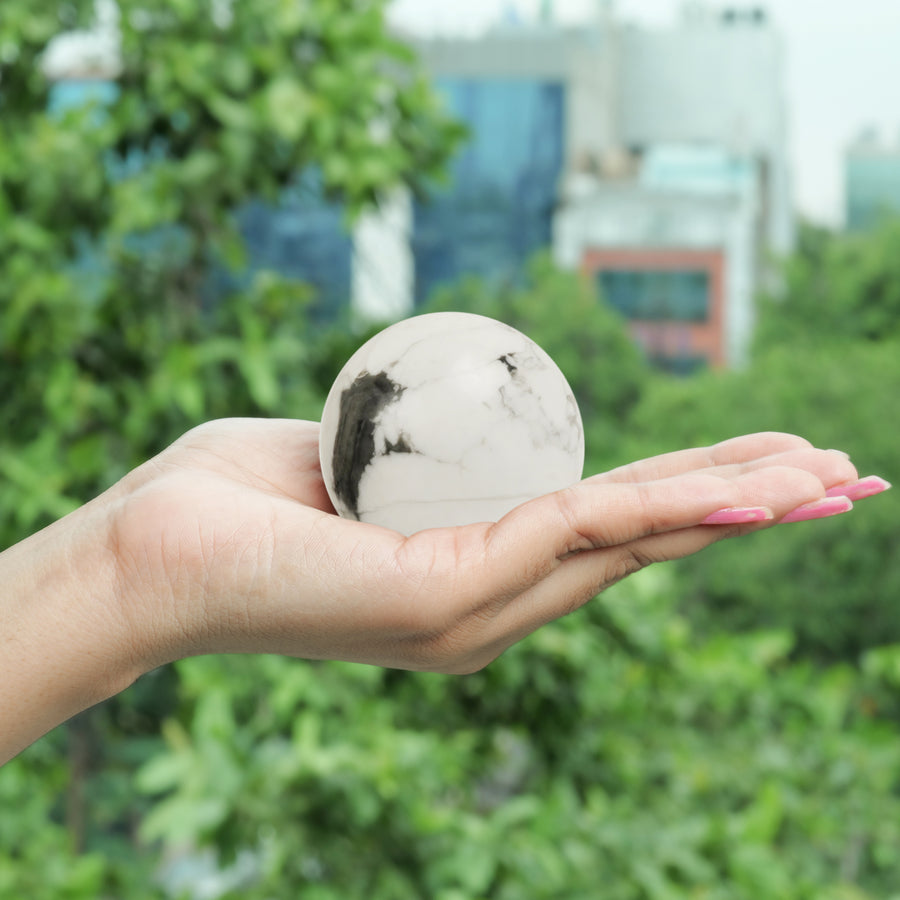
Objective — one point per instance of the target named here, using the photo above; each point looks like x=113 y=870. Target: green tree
x=112 y=219
x=614 y=751
x=836 y=287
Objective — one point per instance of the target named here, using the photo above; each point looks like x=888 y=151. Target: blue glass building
x=302 y=237
x=498 y=208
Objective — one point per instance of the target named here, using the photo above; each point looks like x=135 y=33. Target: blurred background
x=207 y=205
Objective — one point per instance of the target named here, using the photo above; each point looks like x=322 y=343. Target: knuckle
x=627 y=562
x=644 y=502
x=567 y=502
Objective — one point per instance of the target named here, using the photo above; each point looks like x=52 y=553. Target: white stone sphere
x=447 y=419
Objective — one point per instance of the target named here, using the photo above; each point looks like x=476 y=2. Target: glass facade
x=498 y=208
x=679 y=365
x=657 y=295
x=705 y=170
x=302 y=237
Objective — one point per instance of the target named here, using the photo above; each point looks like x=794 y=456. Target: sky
x=842 y=59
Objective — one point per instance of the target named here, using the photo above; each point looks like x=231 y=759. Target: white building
x=674 y=166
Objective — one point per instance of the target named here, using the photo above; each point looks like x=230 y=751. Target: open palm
x=227 y=541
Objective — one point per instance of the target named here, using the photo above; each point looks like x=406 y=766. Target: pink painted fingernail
x=857 y=490
x=738 y=515
x=819 y=509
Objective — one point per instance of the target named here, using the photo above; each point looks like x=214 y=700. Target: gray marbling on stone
x=447 y=419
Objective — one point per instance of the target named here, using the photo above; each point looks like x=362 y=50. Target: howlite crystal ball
x=447 y=419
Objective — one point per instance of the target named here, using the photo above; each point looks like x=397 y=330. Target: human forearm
x=64 y=646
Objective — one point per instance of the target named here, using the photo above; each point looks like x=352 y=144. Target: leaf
x=762 y=821
x=256 y=367
x=163 y=773
x=287 y=107
x=199 y=168
x=183 y=819
x=232 y=113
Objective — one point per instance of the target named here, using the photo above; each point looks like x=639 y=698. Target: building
x=653 y=160
x=871 y=181
x=674 y=249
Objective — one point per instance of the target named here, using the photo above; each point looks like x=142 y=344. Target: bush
x=613 y=748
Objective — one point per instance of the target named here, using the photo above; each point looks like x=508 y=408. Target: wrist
x=66 y=643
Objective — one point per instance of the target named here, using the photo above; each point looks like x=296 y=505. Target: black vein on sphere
x=354 y=443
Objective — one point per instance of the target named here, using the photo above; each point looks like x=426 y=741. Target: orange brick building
x=673 y=298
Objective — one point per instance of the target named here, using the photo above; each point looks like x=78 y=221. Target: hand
x=227 y=542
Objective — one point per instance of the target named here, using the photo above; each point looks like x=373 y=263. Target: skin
x=227 y=542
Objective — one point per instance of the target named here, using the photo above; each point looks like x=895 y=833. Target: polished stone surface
x=447 y=419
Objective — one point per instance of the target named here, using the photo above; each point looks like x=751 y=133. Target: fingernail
x=819 y=509
x=840 y=453
x=857 y=490
x=738 y=515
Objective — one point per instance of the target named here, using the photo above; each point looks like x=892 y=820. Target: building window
x=497 y=210
x=678 y=365
x=679 y=295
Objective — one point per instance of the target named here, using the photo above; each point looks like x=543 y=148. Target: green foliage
x=25 y=31
x=39 y=856
x=653 y=763
x=131 y=373
x=815 y=373
x=273 y=85
x=110 y=224
x=837 y=288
